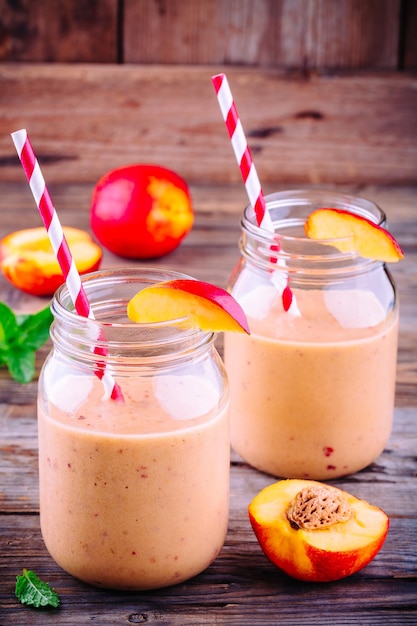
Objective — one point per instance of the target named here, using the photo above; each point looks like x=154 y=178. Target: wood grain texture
x=86 y=119
x=265 y=33
x=241 y=588
x=408 y=40
x=302 y=34
x=64 y=31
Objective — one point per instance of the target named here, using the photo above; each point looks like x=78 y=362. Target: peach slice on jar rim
x=202 y=305
x=355 y=234
x=315 y=532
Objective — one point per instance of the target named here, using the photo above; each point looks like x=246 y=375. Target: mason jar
x=134 y=491
x=312 y=388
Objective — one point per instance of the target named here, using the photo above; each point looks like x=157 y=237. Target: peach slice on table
x=28 y=261
x=201 y=304
x=315 y=532
x=356 y=234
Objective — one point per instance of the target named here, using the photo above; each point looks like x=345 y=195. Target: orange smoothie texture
x=133 y=496
x=312 y=395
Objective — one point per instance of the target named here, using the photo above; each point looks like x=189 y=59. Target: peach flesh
x=207 y=306
x=320 y=554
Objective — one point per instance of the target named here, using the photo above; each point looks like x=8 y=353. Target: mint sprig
x=20 y=337
x=32 y=591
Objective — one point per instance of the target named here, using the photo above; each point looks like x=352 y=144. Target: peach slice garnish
x=203 y=305
x=356 y=234
x=28 y=261
x=315 y=532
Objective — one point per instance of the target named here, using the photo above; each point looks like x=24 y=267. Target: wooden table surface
x=358 y=131
x=241 y=587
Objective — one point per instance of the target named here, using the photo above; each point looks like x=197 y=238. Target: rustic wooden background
x=326 y=89
x=327 y=92
x=350 y=34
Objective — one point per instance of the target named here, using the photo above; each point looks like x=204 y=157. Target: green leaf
x=20 y=337
x=8 y=325
x=21 y=365
x=34 y=329
x=32 y=591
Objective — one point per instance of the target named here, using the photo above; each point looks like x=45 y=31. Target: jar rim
x=288 y=249
x=305 y=201
x=288 y=242
x=108 y=292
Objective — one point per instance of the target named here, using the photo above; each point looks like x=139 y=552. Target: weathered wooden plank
x=87 y=119
x=213 y=203
x=241 y=587
x=409 y=43
x=269 y=33
x=64 y=31
x=266 y=33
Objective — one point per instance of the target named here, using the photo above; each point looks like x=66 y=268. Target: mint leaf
x=32 y=591
x=8 y=325
x=34 y=329
x=21 y=365
x=20 y=337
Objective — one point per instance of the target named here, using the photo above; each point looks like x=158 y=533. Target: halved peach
x=315 y=532
x=202 y=304
x=28 y=261
x=355 y=234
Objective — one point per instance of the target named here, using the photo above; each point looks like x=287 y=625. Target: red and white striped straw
x=247 y=167
x=242 y=151
x=58 y=241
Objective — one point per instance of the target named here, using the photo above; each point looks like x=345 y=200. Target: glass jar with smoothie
x=312 y=388
x=133 y=492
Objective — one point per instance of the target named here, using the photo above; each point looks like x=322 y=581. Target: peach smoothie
x=133 y=495
x=312 y=394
